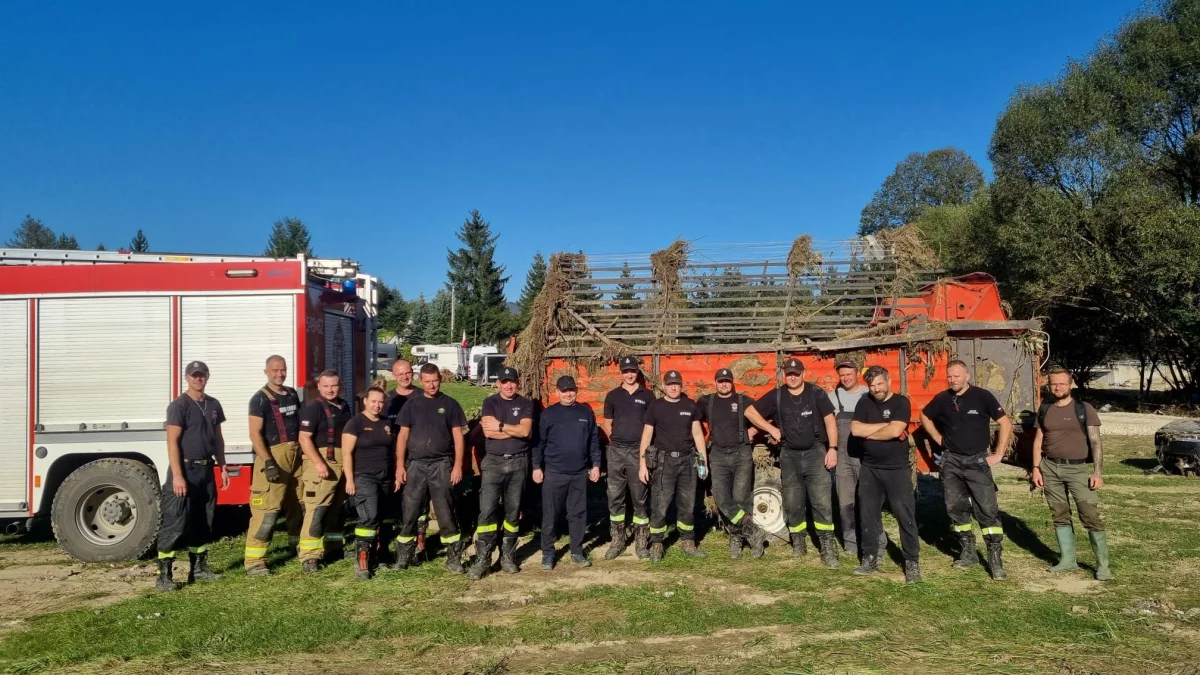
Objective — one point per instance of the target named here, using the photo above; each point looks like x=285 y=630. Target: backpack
x=712 y=400
x=1080 y=414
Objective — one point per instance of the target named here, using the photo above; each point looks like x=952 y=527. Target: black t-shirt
x=728 y=419
x=802 y=417
x=628 y=414
x=429 y=422
x=314 y=419
x=289 y=410
x=395 y=403
x=373 y=446
x=891 y=454
x=510 y=412
x=199 y=421
x=672 y=423
x=965 y=420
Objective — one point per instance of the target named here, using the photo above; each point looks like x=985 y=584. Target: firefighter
x=189 y=495
x=732 y=462
x=402 y=370
x=845 y=397
x=321 y=425
x=881 y=425
x=507 y=424
x=673 y=425
x=959 y=420
x=807 y=432
x=567 y=442
x=429 y=462
x=624 y=416
x=1067 y=439
x=367 y=447
x=275 y=483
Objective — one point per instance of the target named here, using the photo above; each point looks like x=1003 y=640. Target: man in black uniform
x=567 y=441
x=507 y=427
x=673 y=425
x=624 y=415
x=402 y=370
x=959 y=420
x=429 y=462
x=732 y=462
x=189 y=496
x=881 y=424
x=275 y=483
x=808 y=450
x=322 y=421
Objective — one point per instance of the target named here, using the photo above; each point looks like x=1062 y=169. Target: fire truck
x=92 y=349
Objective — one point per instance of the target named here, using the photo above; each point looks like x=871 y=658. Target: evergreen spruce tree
x=478 y=283
x=139 y=243
x=534 y=281
x=289 y=238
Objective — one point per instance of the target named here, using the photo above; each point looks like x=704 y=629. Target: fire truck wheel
x=107 y=510
x=768 y=504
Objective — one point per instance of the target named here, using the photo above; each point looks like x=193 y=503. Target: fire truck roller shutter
x=339 y=351
x=14 y=414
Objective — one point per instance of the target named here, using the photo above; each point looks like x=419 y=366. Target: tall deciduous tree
x=289 y=238
x=139 y=243
x=478 y=282
x=32 y=233
x=534 y=280
x=922 y=180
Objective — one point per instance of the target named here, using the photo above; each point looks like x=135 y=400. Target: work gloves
x=272 y=472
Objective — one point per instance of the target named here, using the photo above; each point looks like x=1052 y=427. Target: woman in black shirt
x=367 y=446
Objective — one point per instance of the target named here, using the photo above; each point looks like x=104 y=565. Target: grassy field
x=681 y=616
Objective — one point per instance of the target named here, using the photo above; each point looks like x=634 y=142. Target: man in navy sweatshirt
x=567 y=443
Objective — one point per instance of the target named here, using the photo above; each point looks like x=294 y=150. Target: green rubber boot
x=1066 y=544
x=1100 y=546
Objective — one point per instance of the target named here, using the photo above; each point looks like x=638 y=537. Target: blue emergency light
x=349 y=286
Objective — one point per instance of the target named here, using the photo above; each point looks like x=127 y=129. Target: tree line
x=1092 y=219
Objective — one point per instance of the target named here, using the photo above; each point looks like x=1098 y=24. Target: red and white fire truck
x=92 y=349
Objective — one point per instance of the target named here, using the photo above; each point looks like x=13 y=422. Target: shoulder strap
x=1081 y=415
x=838 y=395
x=1042 y=416
x=741 y=419
x=329 y=428
x=779 y=412
x=280 y=426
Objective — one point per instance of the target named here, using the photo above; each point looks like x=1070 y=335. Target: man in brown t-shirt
x=1062 y=449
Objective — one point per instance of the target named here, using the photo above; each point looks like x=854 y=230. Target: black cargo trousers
x=968 y=487
x=503 y=479
x=806 y=481
x=428 y=480
x=673 y=481
x=187 y=520
x=624 y=462
x=732 y=471
x=372 y=493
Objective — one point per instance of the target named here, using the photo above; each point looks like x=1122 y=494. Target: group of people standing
x=409 y=446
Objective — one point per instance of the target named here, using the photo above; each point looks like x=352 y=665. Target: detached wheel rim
x=106 y=515
x=768 y=510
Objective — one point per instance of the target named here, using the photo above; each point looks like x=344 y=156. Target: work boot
x=967 y=556
x=870 y=565
x=799 y=545
x=912 y=572
x=166 y=576
x=1100 y=546
x=199 y=570
x=508 y=550
x=362 y=560
x=757 y=539
x=1066 y=545
x=735 y=546
x=454 y=558
x=310 y=567
x=995 y=563
x=691 y=550
x=547 y=561
x=829 y=554
x=656 y=552
x=581 y=560
x=404 y=555
x=641 y=541
x=259 y=570
x=618 y=541
x=483 y=562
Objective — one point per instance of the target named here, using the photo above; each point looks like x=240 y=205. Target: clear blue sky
x=603 y=126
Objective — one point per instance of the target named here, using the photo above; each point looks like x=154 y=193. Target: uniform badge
x=441 y=411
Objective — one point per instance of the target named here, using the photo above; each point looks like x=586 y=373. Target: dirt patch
x=502 y=590
x=43 y=581
x=1068 y=585
x=746 y=371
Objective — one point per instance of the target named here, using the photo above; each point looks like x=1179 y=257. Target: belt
x=678 y=454
x=199 y=462
x=1056 y=460
x=511 y=455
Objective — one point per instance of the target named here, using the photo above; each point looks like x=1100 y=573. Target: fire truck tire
x=107 y=510
x=767 y=503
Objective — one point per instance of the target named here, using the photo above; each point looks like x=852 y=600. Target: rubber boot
x=870 y=565
x=829 y=554
x=995 y=563
x=1066 y=545
x=967 y=556
x=199 y=570
x=799 y=545
x=756 y=538
x=404 y=555
x=735 y=546
x=362 y=559
x=641 y=541
x=166 y=576
x=912 y=572
x=483 y=561
x=618 y=541
x=689 y=548
x=508 y=551
x=1100 y=546
x=656 y=552
x=454 y=558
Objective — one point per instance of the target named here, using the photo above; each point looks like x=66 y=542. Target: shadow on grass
x=1024 y=537
x=1141 y=463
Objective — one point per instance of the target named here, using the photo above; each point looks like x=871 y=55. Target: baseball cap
x=566 y=383
x=672 y=377
x=629 y=363
x=507 y=374
x=196 y=367
x=724 y=375
x=846 y=363
x=793 y=366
